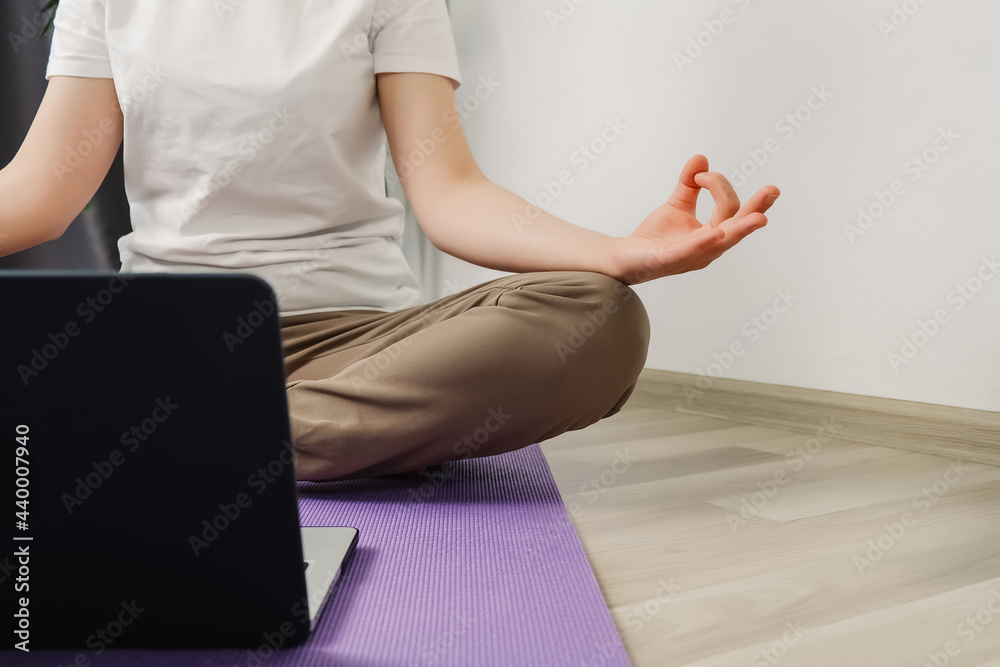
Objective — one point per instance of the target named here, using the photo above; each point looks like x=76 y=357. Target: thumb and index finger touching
x=695 y=176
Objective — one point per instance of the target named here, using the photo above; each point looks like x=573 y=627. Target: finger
x=742 y=228
x=708 y=237
x=685 y=195
x=738 y=228
x=762 y=200
x=727 y=204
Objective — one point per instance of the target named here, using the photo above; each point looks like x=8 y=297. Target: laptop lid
x=148 y=453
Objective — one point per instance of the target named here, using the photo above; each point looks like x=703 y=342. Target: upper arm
x=66 y=153
x=425 y=136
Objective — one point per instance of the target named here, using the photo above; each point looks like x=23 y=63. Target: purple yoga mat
x=480 y=566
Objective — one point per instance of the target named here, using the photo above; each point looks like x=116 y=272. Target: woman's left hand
x=671 y=240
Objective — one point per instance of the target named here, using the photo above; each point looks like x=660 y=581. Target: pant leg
x=491 y=369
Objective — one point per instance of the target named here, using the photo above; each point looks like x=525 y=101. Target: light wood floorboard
x=668 y=516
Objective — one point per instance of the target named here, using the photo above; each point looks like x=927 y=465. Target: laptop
x=147 y=470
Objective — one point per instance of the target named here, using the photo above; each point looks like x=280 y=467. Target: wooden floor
x=849 y=555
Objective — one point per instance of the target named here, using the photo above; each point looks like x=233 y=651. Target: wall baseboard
x=961 y=433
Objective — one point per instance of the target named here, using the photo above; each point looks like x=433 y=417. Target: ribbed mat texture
x=479 y=565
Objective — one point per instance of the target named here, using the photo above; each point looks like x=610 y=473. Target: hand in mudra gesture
x=671 y=240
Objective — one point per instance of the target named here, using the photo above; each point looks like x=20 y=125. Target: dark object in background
x=91 y=240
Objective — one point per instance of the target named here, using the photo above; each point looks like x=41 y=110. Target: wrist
x=608 y=259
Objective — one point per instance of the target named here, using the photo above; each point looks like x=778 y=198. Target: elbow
x=431 y=232
x=54 y=232
x=54 y=228
x=428 y=219
x=446 y=208
x=435 y=229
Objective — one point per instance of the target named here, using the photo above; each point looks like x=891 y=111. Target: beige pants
x=494 y=368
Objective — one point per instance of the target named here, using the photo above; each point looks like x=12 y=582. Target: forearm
x=485 y=224
x=20 y=225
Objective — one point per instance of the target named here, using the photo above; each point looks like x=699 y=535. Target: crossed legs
x=496 y=367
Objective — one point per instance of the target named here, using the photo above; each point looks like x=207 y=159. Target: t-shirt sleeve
x=414 y=36
x=79 y=47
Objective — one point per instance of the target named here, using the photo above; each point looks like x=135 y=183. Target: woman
x=254 y=141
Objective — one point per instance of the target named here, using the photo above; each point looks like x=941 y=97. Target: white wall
x=888 y=97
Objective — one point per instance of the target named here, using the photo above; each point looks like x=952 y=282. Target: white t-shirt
x=253 y=140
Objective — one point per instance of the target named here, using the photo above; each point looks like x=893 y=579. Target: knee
x=609 y=322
